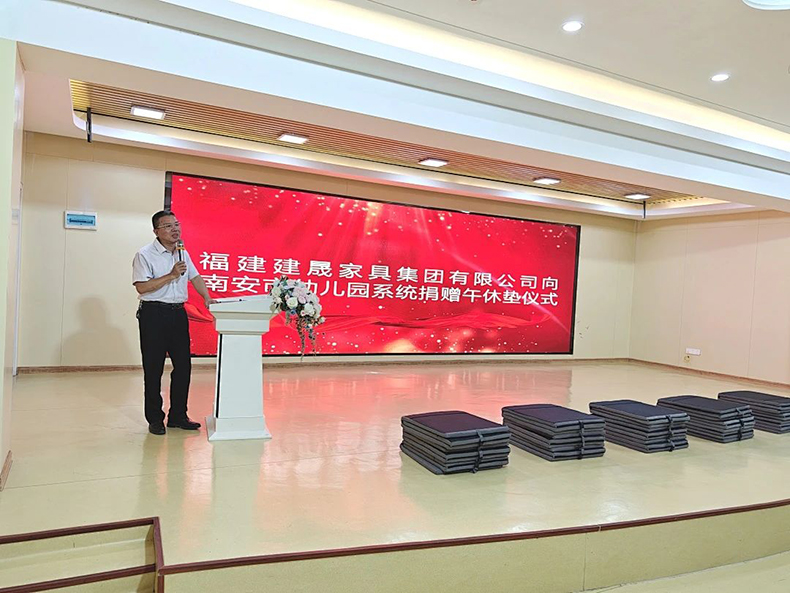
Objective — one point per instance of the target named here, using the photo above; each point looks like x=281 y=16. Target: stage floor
x=333 y=475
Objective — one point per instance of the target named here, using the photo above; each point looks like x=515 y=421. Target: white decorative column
x=238 y=396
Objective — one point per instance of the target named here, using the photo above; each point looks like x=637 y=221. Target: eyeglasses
x=170 y=225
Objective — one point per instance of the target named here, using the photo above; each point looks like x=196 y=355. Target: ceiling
x=672 y=46
x=189 y=115
x=373 y=105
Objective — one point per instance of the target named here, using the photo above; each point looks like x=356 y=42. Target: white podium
x=238 y=395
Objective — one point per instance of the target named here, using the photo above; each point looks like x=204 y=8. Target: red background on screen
x=226 y=224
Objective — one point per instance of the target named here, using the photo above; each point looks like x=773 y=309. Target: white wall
x=720 y=284
x=11 y=156
x=77 y=301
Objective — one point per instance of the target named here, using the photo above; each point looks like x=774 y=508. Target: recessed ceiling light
x=292 y=138
x=572 y=26
x=433 y=162
x=546 y=181
x=769 y=4
x=721 y=77
x=138 y=111
x=637 y=196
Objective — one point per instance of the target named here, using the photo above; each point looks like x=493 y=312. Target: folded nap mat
x=643 y=427
x=453 y=442
x=566 y=443
x=551 y=419
x=553 y=432
x=771 y=412
x=553 y=454
x=459 y=444
x=714 y=419
x=441 y=457
x=441 y=467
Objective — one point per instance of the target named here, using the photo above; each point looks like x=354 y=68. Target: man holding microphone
x=159 y=273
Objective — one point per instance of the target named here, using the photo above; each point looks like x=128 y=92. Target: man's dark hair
x=159 y=215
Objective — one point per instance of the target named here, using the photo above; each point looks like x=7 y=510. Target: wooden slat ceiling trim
x=198 y=117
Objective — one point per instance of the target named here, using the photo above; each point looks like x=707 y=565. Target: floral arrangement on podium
x=300 y=305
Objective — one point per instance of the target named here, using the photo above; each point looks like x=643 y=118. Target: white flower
x=291 y=302
x=308 y=309
x=276 y=291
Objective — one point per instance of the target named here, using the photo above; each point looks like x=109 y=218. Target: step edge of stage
x=464 y=541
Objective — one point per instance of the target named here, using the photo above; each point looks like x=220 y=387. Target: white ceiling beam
x=103 y=48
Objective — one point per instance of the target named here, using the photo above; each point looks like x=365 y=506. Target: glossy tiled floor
x=333 y=475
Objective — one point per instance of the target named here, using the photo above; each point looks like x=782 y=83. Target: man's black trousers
x=164 y=331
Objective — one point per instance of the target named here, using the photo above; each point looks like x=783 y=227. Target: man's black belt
x=162 y=305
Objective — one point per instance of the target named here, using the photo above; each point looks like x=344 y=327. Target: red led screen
x=391 y=278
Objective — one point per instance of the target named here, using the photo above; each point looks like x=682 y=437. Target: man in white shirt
x=160 y=272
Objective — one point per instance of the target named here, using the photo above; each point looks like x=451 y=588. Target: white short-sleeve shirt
x=155 y=261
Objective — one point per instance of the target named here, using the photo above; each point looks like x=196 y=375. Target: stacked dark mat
x=554 y=432
x=713 y=419
x=643 y=427
x=771 y=412
x=453 y=442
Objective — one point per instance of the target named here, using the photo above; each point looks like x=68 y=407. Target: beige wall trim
x=208 y=362
x=9 y=459
x=422 y=360
x=202 y=363
x=77 y=369
x=710 y=373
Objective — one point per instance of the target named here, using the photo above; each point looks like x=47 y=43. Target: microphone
x=180 y=250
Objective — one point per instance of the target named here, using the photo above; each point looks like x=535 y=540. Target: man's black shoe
x=185 y=424
x=157 y=428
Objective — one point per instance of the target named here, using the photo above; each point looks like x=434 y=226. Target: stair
x=764 y=575
x=113 y=557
